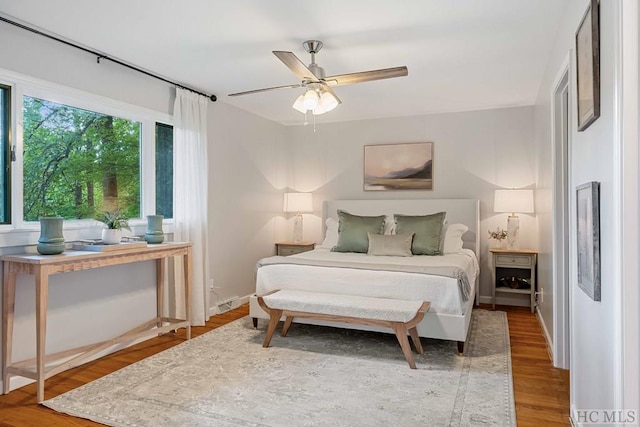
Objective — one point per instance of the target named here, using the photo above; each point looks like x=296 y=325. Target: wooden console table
x=42 y=266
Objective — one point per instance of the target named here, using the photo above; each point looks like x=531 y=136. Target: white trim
x=560 y=345
x=629 y=317
x=545 y=333
x=616 y=206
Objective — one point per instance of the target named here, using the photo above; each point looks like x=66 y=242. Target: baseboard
x=228 y=304
x=547 y=337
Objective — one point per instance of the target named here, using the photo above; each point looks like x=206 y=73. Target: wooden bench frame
x=401 y=329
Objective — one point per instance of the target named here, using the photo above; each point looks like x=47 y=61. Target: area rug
x=316 y=376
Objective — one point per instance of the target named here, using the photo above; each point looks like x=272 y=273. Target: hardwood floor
x=541 y=391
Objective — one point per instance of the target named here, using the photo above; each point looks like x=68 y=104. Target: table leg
x=8 y=308
x=160 y=263
x=187 y=289
x=42 y=291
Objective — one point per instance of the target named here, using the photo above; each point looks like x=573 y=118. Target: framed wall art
x=398 y=166
x=588 y=207
x=588 y=67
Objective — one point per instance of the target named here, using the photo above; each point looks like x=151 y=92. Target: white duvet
x=442 y=292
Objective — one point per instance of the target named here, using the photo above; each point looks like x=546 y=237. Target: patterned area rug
x=316 y=376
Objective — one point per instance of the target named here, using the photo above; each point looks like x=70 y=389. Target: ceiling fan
x=319 y=96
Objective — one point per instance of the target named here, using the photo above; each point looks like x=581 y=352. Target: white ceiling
x=461 y=54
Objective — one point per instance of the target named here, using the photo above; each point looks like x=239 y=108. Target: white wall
x=594 y=156
x=474 y=153
x=247 y=161
x=244 y=196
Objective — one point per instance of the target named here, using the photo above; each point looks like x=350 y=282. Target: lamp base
x=297 y=228
x=513 y=233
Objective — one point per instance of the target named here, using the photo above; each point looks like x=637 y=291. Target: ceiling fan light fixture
x=299 y=104
x=310 y=99
x=326 y=103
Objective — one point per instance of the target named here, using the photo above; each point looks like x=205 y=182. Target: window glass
x=164 y=170
x=5 y=161
x=77 y=162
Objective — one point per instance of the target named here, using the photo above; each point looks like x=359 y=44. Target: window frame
x=21 y=86
x=6 y=153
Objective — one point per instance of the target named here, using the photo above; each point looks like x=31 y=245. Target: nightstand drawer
x=515 y=260
x=286 y=249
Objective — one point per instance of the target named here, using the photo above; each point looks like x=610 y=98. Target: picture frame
x=403 y=166
x=588 y=238
x=588 y=67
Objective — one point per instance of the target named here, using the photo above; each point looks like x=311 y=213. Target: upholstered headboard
x=465 y=211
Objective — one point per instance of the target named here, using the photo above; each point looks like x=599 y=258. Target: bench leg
x=273 y=322
x=286 y=326
x=401 y=333
x=416 y=340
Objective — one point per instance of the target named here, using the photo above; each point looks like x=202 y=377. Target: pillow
x=330 y=235
x=427 y=230
x=453 y=238
x=389 y=225
x=390 y=244
x=353 y=229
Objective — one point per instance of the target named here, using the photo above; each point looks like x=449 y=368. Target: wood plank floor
x=541 y=391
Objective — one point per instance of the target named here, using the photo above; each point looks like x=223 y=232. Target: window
x=164 y=170
x=75 y=154
x=78 y=163
x=5 y=154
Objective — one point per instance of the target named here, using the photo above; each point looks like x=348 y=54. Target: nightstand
x=292 y=248
x=514 y=272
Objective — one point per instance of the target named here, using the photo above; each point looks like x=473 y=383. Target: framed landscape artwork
x=398 y=166
x=588 y=206
x=588 y=64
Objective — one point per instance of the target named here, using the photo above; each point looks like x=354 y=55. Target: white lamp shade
x=514 y=201
x=327 y=103
x=310 y=99
x=299 y=104
x=298 y=202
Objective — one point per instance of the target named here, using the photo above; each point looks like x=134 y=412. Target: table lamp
x=298 y=203
x=513 y=201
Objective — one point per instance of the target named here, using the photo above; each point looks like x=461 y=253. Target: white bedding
x=442 y=292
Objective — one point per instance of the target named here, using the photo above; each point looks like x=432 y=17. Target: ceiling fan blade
x=295 y=65
x=249 y=92
x=366 y=76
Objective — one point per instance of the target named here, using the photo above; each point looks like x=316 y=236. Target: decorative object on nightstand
x=514 y=272
x=513 y=201
x=497 y=238
x=298 y=203
x=292 y=248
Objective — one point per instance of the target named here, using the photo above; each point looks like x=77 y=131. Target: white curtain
x=190 y=198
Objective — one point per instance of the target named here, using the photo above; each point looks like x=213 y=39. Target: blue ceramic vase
x=51 y=241
x=154 y=232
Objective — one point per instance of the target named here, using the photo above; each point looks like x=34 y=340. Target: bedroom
x=485 y=146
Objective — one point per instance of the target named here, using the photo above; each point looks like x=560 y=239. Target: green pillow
x=427 y=230
x=353 y=229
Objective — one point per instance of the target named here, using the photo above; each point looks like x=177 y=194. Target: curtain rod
x=100 y=56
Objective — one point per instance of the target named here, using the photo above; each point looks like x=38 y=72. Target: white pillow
x=389 y=225
x=453 y=238
x=331 y=234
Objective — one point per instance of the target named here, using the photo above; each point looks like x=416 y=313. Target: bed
x=388 y=276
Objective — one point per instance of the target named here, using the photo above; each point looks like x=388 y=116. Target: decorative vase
x=111 y=236
x=51 y=241
x=154 y=232
x=496 y=244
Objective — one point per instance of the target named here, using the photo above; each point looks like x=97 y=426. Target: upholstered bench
x=400 y=315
